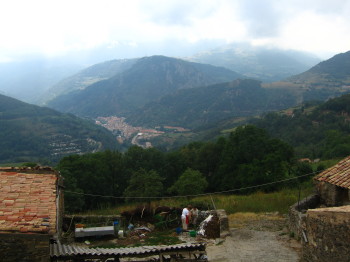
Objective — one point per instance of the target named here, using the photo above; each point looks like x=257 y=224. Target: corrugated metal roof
x=338 y=175
x=58 y=250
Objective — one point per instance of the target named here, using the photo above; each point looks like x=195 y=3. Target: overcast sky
x=54 y=27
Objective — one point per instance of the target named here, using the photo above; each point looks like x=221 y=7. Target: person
x=194 y=216
x=185 y=217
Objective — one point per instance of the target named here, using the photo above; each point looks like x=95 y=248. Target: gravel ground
x=251 y=245
x=263 y=238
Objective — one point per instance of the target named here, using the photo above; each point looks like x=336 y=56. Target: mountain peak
x=146 y=80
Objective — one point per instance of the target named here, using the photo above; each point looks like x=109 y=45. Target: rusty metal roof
x=58 y=250
x=338 y=175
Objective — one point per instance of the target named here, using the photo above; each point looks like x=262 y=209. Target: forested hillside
x=315 y=131
x=33 y=133
x=197 y=107
x=248 y=157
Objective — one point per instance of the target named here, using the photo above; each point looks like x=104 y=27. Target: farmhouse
x=31 y=210
x=333 y=184
x=322 y=221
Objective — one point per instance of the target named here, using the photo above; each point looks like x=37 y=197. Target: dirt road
x=255 y=238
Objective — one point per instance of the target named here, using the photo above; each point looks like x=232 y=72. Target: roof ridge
x=338 y=175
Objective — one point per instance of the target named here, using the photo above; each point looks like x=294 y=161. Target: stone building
x=333 y=184
x=31 y=211
x=322 y=221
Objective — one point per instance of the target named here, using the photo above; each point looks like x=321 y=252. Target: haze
x=173 y=27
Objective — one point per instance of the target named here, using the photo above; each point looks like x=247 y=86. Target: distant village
x=138 y=135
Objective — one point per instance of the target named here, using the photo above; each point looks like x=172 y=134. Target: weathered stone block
x=328 y=235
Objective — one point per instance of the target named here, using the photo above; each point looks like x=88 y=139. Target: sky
x=57 y=27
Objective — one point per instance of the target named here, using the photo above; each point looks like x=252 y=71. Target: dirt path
x=255 y=238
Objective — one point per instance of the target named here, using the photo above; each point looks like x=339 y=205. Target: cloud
x=58 y=26
x=322 y=32
x=262 y=18
x=177 y=12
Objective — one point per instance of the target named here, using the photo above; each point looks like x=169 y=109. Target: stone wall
x=297 y=214
x=327 y=235
x=223 y=220
x=24 y=247
x=332 y=195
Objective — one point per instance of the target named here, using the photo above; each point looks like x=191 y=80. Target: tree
x=174 y=166
x=73 y=202
x=144 y=183
x=208 y=161
x=149 y=159
x=252 y=157
x=191 y=182
x=94 y=173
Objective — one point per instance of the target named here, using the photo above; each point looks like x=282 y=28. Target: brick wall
x=24 y=247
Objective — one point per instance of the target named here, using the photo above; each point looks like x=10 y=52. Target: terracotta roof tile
x=338 y=175
x=23 y=206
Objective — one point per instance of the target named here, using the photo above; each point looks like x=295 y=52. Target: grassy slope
x=257 y=202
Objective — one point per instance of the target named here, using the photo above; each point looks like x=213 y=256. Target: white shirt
x=185 y=212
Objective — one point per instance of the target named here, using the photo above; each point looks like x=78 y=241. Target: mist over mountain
x=86 y=77
x=327 y=79
x=37 y=79
x=263 y=63
x=146 y=80
x=30 y=78
x=334 y=72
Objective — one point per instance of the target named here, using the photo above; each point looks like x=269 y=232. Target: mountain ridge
x=332 y=72
x=148 y=79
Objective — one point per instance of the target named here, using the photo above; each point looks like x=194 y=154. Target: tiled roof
x=338 y=175
x=58 y=250
x=27 y=200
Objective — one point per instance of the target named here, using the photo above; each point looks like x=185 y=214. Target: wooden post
x=212 y=200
